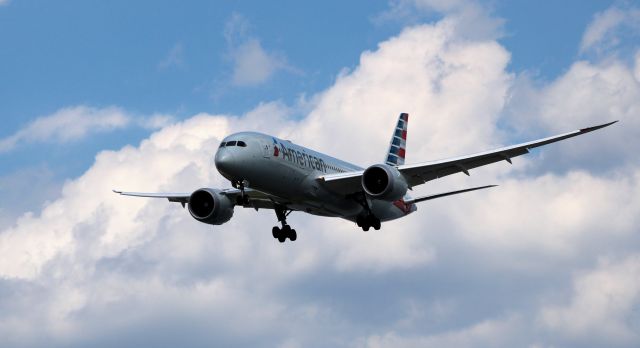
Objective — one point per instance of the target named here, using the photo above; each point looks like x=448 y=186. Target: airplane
x=267 y=172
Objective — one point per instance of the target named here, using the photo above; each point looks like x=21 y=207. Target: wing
x=440 y=195
x=420 y=173
x=172 y=197
x=255 y=199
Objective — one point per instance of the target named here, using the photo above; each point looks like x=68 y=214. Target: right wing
x=419 y=173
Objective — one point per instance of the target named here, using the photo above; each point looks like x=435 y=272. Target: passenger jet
x=271 y=173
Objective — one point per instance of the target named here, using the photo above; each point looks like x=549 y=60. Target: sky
x=137 y=95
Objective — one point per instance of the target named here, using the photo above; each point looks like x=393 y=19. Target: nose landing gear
x=286 y=231
x=243 y=199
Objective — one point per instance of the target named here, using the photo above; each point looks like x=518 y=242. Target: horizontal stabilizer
x=439 y=195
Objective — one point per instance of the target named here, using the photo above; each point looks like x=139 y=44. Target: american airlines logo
x=298 y=157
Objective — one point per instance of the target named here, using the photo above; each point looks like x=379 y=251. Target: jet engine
x=381 y=181
x=210 y=206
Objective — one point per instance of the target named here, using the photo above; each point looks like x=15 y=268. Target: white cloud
x=468 y=270
x=473 y=20
x=604 y=304
x=78 y=122
x=488 y=333
x=67 y=124
x=4 y=2
x=174 y=58
x=252 y=64
x=607 y=27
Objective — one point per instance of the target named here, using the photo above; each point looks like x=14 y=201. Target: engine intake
x=385 y=182
x=210 y=206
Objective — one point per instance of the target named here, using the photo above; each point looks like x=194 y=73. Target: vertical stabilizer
x=398 y=146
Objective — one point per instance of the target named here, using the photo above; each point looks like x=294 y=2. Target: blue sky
x=56 y=54
x=136 y=95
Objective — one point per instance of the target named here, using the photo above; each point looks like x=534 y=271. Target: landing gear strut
x=242 y=199
x=286 y=231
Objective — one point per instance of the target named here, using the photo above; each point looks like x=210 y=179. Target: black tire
x=293 y=235
x=281 y=239
x=275 y=231
x=376 y=224
x=365 y=228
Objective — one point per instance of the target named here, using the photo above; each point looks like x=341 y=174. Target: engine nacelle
x=381 y=181
x=210 y=206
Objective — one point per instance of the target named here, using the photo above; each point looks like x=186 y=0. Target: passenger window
x=242 y=144
x=231 y=143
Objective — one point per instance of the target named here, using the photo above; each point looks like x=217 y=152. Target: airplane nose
x=224 y=161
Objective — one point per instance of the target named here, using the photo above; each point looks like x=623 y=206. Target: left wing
x=419 y=173
x=255 y=199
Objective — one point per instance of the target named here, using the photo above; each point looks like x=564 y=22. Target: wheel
x=293 y=235
x=275 y=231
x=282 y=238
x=376 y=224
x=365 y=228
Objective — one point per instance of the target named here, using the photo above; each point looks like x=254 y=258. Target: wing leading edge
x=420 y=173
x=256 y=199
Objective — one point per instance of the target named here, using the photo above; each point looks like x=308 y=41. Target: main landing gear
x=368 y=221
x=286 y=231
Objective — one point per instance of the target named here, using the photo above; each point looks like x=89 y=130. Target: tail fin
x=398 y=146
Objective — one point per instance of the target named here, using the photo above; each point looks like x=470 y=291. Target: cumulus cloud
x=76 y=123
x=495 y=268
x=608 y=27
x=252 y=63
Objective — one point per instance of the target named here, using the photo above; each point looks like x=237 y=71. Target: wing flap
x=344 y=183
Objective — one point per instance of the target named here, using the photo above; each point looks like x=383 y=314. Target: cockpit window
x=223 y=144
x=242 y=143
x=231 y=143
